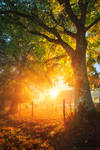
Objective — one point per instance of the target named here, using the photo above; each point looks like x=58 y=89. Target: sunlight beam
x=54 y=92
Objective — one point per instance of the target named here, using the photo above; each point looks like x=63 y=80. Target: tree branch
x=59 y=41
x=45 y=36
x=93 y=23
x=73 y=35
x=35 y=19
x=69 y=11
x=68 y=48
x=54 y=58
x=83 y=8
x=57 y=23
x=40 y=34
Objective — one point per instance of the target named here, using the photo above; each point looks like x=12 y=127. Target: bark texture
x=81 y=83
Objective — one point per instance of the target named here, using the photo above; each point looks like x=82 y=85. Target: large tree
x=62 y=22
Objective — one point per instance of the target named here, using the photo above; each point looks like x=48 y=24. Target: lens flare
x=54 y=92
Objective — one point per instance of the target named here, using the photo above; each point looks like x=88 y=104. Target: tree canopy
x=39 y=28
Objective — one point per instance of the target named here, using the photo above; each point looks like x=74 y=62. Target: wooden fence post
x=32 y=110
x=64 y=111
x=19 y=110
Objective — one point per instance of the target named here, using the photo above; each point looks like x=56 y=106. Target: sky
x=97 y=67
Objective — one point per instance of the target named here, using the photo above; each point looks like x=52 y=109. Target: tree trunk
x=81 y=83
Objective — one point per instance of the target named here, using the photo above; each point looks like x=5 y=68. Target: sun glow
x=54 y=92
